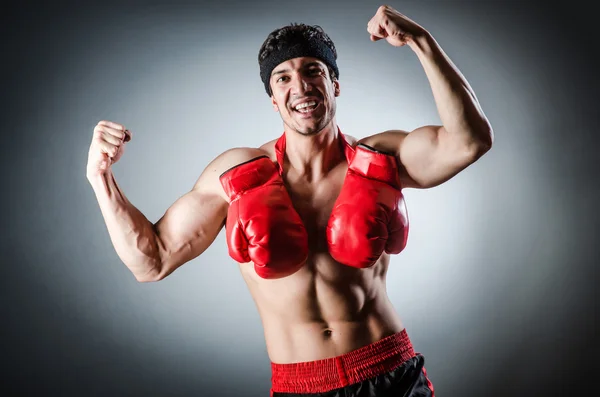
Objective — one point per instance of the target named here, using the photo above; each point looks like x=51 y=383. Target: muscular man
x=312 y=216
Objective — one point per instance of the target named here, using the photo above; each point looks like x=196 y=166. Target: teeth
x=306 y=104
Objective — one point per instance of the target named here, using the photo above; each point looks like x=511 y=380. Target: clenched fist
x=107 y=147
x=395 y=28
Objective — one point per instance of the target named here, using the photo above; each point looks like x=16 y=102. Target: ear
x=275 y=107
x=336 y=87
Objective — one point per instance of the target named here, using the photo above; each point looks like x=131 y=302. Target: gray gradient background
x=496 y=287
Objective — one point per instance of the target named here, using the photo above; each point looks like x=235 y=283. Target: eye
x=282 y=79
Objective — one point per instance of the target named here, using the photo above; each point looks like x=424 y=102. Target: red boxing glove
x=262 y=225
x=369 y=216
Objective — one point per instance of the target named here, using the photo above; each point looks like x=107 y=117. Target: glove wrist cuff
x=247 y=175
x=373 y=164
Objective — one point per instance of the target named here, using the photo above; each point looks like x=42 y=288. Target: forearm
x=131 y=233
x=458 y=107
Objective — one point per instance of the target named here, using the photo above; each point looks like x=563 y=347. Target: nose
x=299 y=85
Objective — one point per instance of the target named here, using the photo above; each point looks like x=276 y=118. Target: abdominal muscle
x=323 y=310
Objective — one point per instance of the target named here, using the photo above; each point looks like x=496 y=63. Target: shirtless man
x=312 y=216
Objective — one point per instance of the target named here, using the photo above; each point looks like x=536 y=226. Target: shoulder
x=269 y=149
x=236 y=156
x=389 y=141
x=352 y=141
x=209 y=180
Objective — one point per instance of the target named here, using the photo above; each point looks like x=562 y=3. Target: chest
x=314 y=201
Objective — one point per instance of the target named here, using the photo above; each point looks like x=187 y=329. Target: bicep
x=432 y=156
x=427 y=156
x=189 y=227
x=193 y=222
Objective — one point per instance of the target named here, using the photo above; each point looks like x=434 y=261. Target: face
x=304 y=94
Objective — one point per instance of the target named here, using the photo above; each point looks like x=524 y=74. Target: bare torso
x=326 y=308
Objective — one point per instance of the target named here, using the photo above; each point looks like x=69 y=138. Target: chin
x=309 y=132
x=314 y=129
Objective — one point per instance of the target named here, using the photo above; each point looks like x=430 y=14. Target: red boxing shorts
x=388 y=367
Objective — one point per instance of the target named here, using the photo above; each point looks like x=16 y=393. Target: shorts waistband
x=356 y=366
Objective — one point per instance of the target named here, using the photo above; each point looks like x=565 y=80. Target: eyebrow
x=281 y=71
x=307 y=65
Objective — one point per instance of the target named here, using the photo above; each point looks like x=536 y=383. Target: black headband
x=306 y=48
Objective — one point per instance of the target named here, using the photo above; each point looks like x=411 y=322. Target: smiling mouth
x=306 y=107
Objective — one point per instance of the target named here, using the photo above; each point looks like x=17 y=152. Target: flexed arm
x=152 y=251
x=433 y=154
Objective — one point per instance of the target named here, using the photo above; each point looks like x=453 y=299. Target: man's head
x=298 y=66
x=293 y=41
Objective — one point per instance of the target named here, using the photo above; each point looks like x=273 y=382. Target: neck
x=313 y=156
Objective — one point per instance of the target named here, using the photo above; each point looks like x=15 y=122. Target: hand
x=395 y=28
x=107 y=147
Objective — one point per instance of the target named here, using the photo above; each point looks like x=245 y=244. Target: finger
x=123 y=136
x=108 y=131
x=110 y=149
x=380 y=31
x=103 y=136
x=377 y=34
x=372 y=25
x=377 y=31
x=112 y=124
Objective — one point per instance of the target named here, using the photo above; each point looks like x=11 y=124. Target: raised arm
x=152 y=251
x=433 y=154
